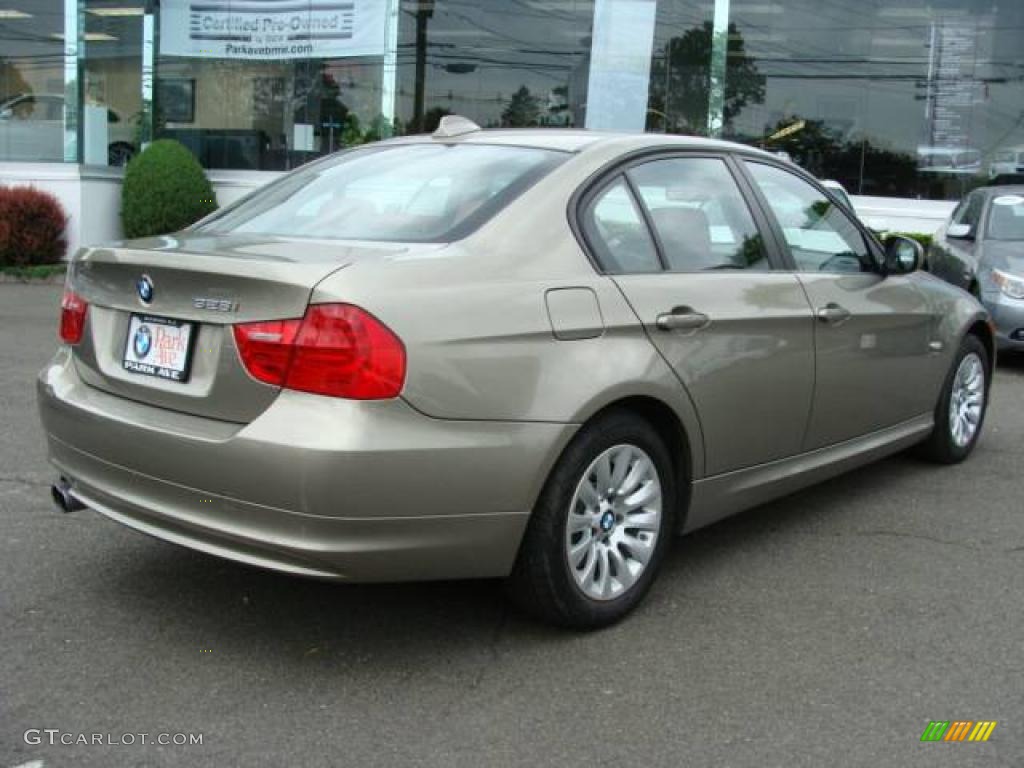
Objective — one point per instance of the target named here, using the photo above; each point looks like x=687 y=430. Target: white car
x=1007 y=162
x=952 y=160
x=32 y=129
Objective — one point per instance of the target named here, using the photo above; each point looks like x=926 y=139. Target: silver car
x=981 y=249
x=534 y=355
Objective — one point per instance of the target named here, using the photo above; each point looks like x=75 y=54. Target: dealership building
x=907 y=103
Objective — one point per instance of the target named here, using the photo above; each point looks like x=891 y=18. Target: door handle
x=832 y=313
x=682 y=319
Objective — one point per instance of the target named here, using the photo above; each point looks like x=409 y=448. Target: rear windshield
x=398 y=193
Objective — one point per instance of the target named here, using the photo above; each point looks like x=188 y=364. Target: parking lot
x=825 y=629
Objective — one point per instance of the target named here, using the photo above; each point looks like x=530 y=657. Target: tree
x=681 y=82
x=11 y=81
x=811 y=147
x=523 y=109
x=862 y=167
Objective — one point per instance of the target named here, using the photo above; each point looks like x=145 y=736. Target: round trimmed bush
x=32 y=226
x=164 y=190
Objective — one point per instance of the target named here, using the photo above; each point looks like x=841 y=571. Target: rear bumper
x=363 y=491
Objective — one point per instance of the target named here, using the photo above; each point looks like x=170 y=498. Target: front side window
x=405 y=193
x=617 y=232
x=699 y=214
x=970 y=213
x=820 y=235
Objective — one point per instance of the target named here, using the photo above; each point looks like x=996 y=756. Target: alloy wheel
x=614 y=520
x=967 y=400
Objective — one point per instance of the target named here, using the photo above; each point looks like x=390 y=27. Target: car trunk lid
x=201 y=287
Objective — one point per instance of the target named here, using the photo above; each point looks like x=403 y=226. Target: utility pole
x=424 y=10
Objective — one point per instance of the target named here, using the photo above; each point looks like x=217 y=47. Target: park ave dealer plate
x=159 y=346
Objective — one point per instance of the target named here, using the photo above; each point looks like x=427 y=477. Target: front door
x=684 y=248
x=873 y=361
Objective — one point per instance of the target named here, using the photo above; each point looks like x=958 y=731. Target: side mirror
x=960 y=231
x=903 y=255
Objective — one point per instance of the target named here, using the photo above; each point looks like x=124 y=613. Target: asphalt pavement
x=826 y=629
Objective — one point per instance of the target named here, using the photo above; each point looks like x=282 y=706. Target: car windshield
x=399 y=193
x=1006 y=221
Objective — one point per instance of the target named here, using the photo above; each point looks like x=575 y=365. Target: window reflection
x=898 y=99
x=32 y=81
x=500 y=63
x=910 y=98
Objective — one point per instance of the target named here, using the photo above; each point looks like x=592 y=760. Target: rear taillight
x=336 y=349
x=73 y=309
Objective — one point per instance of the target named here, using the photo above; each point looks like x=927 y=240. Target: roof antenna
x=454 y=125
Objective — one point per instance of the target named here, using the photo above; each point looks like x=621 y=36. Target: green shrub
x=164 y=190
x=32 y=224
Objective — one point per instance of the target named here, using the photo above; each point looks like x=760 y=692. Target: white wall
x=100 y=219
x=92 y=197
x=902 y=214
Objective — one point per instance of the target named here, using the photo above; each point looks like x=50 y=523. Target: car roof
x=1002 y=189
x=578 y=140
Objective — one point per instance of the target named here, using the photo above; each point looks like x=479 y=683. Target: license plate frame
x=171 y=352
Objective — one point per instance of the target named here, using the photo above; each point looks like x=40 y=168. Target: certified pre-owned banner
x=272 y=29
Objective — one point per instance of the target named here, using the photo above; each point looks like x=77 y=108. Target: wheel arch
x=982 y=329
x=666 y=421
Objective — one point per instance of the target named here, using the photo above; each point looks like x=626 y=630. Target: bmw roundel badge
x=142 y=342
x=144 y=287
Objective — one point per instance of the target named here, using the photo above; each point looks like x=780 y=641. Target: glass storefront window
x=499 y=63
x=679 y=88
x=32 y=80
x=908 y=98
x=111 y=76
x=270 y=86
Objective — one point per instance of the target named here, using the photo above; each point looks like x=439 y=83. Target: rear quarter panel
x=476 y=327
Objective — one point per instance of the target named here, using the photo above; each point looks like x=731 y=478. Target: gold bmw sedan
x=535 y=355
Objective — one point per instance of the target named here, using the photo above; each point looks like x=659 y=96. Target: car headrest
x=686 y=237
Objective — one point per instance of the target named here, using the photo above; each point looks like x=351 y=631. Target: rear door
x=874 y=366
x=685 y=249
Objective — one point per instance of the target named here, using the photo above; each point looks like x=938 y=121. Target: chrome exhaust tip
x=61 y=494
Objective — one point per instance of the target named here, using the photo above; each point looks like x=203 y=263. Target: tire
x=947 y=445
x=615 y=562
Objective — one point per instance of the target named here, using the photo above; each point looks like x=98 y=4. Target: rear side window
x=399 y=193
x=617 y=232
x=699 y=214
